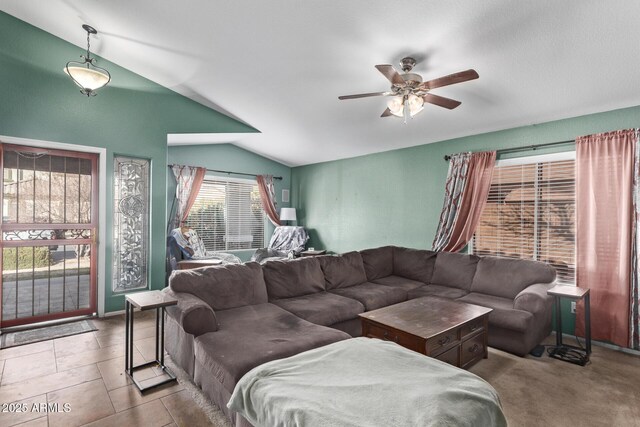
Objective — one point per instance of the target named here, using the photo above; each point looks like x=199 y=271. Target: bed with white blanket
x=364 y=382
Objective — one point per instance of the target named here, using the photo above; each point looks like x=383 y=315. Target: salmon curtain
x=635 y=253
x=268 y=198
x=189 y=179
x=604 y=225
x=466 y=191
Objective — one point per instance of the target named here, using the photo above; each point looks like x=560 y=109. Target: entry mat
x=13 y=339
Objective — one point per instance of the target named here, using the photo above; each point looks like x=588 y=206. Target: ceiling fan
x=410 y=93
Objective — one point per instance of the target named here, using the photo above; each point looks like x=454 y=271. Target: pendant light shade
x=86 y=74
x=87 y=78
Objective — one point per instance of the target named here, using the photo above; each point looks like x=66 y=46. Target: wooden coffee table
x=452 y=331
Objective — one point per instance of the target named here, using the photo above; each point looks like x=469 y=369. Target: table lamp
x=288 y=214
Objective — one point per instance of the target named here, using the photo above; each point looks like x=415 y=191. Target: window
x=228 y=214
x=130 y=223
x=531 y=211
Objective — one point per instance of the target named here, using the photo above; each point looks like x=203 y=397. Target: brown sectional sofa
x=232 y=318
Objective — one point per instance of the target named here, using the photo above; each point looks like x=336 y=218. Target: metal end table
x=147 y=301
x=560 y=350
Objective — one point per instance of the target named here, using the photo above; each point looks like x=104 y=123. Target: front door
x=48 y=236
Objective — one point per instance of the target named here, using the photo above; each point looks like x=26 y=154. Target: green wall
x=228 y=157
x=395 y=197
x=131 y=116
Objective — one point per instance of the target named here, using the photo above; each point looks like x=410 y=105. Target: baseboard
x=47 y=323
x=603 y=344
x=113 y=313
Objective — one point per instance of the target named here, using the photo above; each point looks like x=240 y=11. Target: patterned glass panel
x=130 y=223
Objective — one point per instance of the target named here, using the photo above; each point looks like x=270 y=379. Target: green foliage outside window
x=209 y=224
x=27 y=258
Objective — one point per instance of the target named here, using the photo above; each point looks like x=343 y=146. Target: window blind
x=228 y=215
x=530 y=214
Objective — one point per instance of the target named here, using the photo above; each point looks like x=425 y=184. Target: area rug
x=13 y=339
x=211 y=410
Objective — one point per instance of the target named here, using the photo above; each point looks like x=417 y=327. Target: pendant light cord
x=88 y=49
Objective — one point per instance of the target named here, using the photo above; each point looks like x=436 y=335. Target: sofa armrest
x=195 y=316
x=534 y=298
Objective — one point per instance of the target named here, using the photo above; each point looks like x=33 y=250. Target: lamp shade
x=288 y=214
x=397 y=104
x=87 y=78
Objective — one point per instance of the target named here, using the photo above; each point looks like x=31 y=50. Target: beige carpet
x=549 y=392
x=541 y=391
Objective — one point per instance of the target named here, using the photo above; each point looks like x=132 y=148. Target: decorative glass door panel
x=130 y=223
x=49 y=222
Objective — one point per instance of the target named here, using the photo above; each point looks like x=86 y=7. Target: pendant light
x=86 y=74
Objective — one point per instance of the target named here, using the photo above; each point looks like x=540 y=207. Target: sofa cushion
x=399 y=282
x=378 y=262
x=322 y=308
x=341 y=271
x=415 y=264
x=224 y=286
x=503 y=314
x=504 y=277
x=454 y=270
x=252 y=335
x=437 y=291
x=292 y=278
x=373 y=295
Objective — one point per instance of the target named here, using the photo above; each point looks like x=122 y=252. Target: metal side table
x=562 y=351
x=147 y=301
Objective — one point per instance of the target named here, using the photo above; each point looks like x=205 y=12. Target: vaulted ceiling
x=280 y=65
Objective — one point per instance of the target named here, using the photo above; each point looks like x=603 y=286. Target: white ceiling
x=280 y=65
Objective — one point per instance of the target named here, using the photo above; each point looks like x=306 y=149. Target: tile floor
x=86 y=372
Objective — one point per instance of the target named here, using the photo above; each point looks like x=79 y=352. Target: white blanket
x=364 y=382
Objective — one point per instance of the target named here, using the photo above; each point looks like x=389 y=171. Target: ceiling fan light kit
x=409 y=92
x=86 y=74
x=397 y=105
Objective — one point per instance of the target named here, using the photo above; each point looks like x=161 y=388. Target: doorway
x=48 y=235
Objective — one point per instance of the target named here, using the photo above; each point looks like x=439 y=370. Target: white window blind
x=530 y=214
x=228 y=215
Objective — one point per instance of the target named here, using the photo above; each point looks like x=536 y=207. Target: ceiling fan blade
x=441 y=101
x=364 y=95
x=451 y=79
x=386 y=113
x=390 y=73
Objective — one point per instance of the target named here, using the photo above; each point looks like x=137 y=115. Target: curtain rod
x=524 y=148
x=230 y=172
